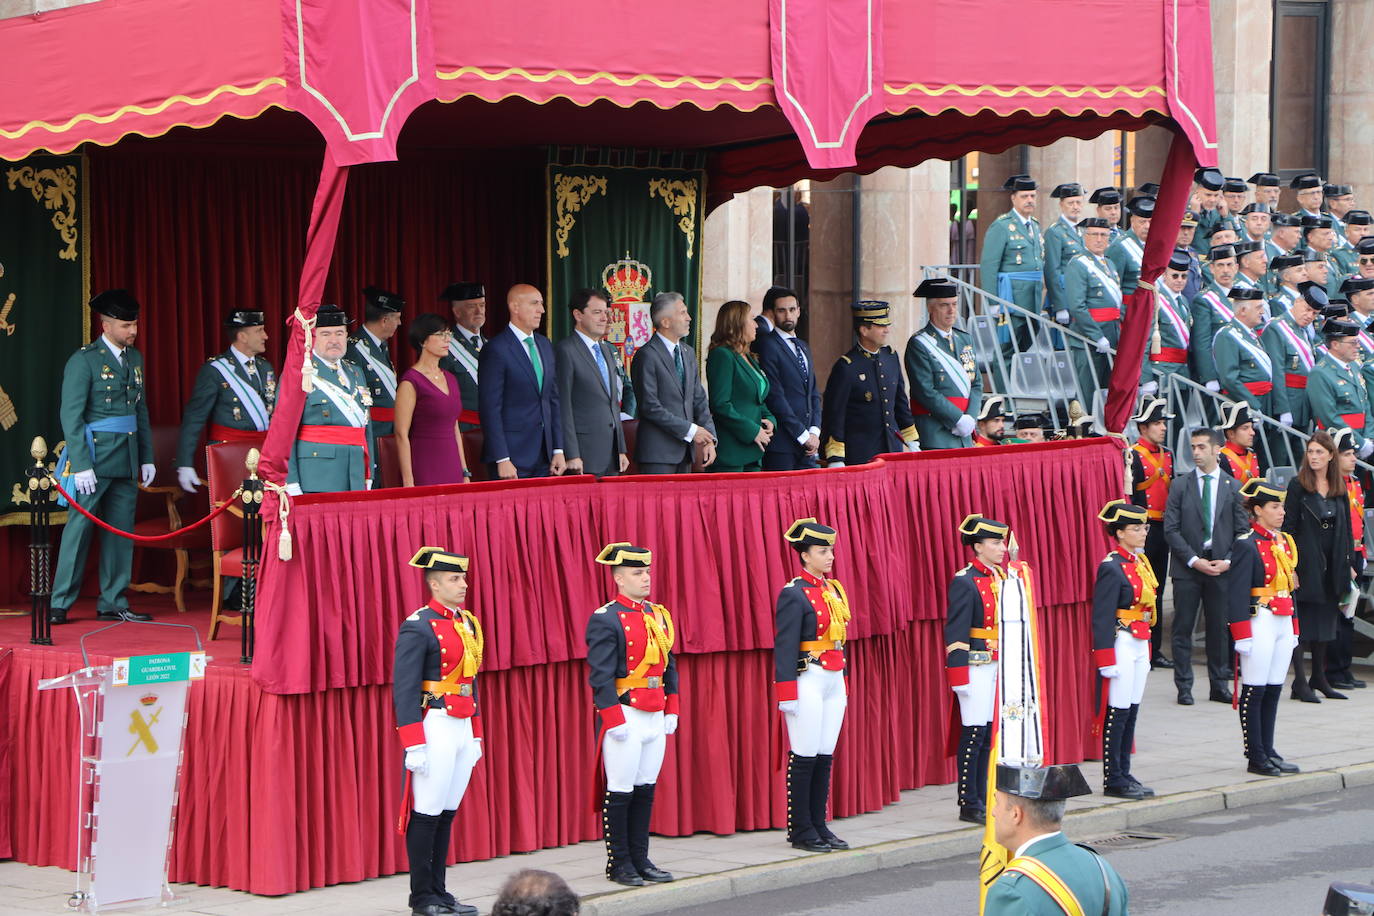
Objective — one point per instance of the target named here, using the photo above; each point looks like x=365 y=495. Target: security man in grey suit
x=673 y=414
x=1202 y=519
x=590 y=390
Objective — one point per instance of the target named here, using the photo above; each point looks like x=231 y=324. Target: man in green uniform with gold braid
x=108 y=454
x=1336 y=389
x=468 y=302
x=1062 y=242
x=370 y=351
x=1205 y=202
x=334 y=444
x=1092 y=292
x=946 y=386
x=1357 y=226
x=1013 y=262
x=1127 y=250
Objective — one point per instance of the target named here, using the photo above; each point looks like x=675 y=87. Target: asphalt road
x=1265 y=860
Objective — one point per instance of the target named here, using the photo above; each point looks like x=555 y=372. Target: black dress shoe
x=654 y=874
x=816 y=845
x=1263 y=769
x=1284 y=766
x=128 y=614
x=1133 y=792
x=1326 y=691
x=1185 y=698
x=1160 y=661
x=1341 y=683
x=1220 y=696
x=833 y=841
x=438 y=909
x=1145 y=790
x=57 y=615
x=627 y=876
x=1357 y=683
x=973 y=815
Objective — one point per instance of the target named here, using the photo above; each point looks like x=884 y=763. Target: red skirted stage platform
x=293 y=771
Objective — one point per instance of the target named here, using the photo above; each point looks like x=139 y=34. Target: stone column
x=737 y=253
x=1088 y=162
x=1351 y=155
x=1242 y=55
x=1152 y=151
x=831 y=278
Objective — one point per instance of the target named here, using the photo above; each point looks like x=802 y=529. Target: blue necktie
x=801 y=357
x=601 y=364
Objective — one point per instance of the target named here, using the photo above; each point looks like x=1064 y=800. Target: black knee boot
x=420 y=836
x=1318 y=680
x=801 y=833
x=1269 y=713
x=1128 y=748
x=1252 y=730
x=972 y=785
x=615 y=825
x=1114 y=780
x=443 y=832
x=1302 y=690
x=820 y=797
x=641 y=811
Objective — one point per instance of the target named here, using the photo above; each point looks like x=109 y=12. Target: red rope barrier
x=139 y=538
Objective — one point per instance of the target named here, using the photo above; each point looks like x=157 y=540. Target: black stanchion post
x=40 y=545
x=252 y=554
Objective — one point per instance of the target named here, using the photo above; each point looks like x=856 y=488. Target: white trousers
x=636 y=760
x=1271 y=649
x=977 y=706
x=821 y=699
x=1133 y=666
x=452 y=753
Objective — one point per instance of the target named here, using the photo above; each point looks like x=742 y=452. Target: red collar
x=1235 y=449
x=1149 y=446
x=985 y=569
x=812 y=580
x=629 y=603
x=438 y=607
x=1125 y=554
x=1262 y=531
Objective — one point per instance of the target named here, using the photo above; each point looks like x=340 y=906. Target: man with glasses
x=1092 y=291
x=1357 y=226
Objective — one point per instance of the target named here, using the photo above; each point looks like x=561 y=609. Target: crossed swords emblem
x=143 y=730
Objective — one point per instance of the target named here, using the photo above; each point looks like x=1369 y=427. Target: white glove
x=417 y=759
x=1286 y=418
x=1063 y=317
x=147 y=472
x=1109 y=672
x=188 y=479
x=85 y=481
x=367 y=484
x=669 y=723
x=964 y=426
x=1292 y=640
x=1104 y=346
x=993 y=309
x=620 y=733
x=789 y=707
x=1367 y=448
x=914 y=446
x=1213 y=386
x=1243 y=646
x=835 y=464
x=963 y=690
x=1149 y=388
x=479 y=750
x=293 y=489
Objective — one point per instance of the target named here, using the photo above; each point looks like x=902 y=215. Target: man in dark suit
x=517 y=394
x=1203 y=517
x=589 y=390
x=793 y=396
x=673 y=414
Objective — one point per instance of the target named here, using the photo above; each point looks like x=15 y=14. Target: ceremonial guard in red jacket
x=1123 y=613
x=438 y=652
x=1260 y=605
x=971 y=656
x=1152 y=470
x=809 y=676
x=1238 y=457
x=634 y=686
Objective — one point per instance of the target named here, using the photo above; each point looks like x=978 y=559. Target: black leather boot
x=615 y=826
x=420 y=834
x=820 y=798
x=1128 y=748
x=1269 y=713
x=801 y=833
x=1114 y=781
x=443 y=834
x=1302 y=690
x=1252 y=731
x=641 y=811
x=972 y=807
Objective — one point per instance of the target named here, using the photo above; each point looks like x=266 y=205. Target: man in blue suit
x=517 y=394
x=792 y=393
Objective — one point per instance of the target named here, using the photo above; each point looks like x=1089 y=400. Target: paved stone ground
x=1189 y=755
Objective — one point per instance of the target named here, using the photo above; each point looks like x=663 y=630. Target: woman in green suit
x=737 y=388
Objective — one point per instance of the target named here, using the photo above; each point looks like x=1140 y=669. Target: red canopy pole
x=1174 y=188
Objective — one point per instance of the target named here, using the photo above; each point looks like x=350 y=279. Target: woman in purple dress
x=429 y=446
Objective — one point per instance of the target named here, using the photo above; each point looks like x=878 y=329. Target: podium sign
x=133 y=717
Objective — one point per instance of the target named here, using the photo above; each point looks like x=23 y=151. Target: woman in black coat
x=1318 y=517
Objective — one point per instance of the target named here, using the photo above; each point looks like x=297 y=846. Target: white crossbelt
x=953 y=367
x=464 y=357
x=1113 y=285
x=352 y=411
x=248 y=395
x=384 y=372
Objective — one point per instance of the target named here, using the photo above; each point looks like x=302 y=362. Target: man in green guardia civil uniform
x=370 y=351
x=1062 y=242
x=1235 y=196
x=234 y=393
x=1107 y=204
x=1173 y=329
x=1337 y=391
x=468 y=303
x=1291 y=342
x=334 y=444
x=1288 y=271
x=1268 y=188
x=1245 y=371
x=1357 y=226
x=1047 y=875
x=1128 y=249
x=1013 y=262
x=1205 y=202
x=1338 y=200
x=108 y=455
x=1211 y=309
x=1092 y=292
x=942 y=370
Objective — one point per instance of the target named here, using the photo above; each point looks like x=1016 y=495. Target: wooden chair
x=162 y=507
x=225 y=472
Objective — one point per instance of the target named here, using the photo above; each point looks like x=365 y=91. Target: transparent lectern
x=133 y=716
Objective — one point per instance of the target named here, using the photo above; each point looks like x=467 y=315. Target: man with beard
x=793 y=396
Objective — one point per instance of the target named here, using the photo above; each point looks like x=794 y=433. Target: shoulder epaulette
x=845 y=358
x=965 y=571
x=604 y=608
x=415 y=616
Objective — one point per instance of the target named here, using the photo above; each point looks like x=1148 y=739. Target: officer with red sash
x=1237 y=457
x=334 y=445
x=1336 y=389
x=971 y=656
x=1123 y=612
x=634 y=686
x=812 y=618
x=1152 y=470
x=438 y=652
x=1260 y=609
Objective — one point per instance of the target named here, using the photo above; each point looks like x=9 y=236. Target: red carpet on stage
x=292 y=774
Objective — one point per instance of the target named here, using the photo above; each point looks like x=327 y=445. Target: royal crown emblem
x=628 y=281
x=148 y=699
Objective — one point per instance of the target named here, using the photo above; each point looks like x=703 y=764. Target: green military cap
x=1257 y=491
x=437 y=559
x=872 y=311
x=463 y=289
x=1120 y=512
x=331 y=316
x=623 y=553
x=118 y=304
x=975 y=528
x=807 y=532
x=1055 y=783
